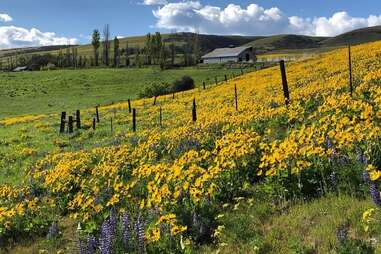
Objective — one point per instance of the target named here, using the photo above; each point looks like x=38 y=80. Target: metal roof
x=225 y=52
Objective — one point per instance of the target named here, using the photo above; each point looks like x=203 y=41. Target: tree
x=163 y=58
x=106 y=45
x=196 y=49
x=96 y=38
x=148 y=48
x=116 y=52
x=126 y=52
x=173 y=53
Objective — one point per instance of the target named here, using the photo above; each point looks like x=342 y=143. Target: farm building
x=224 y=55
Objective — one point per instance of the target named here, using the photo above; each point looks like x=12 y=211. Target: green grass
x=303 y=227
x=68 y=90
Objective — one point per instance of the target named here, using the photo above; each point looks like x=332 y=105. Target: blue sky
x=34 y=22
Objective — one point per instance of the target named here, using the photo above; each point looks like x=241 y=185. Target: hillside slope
x=170 y=182
x=354 y=37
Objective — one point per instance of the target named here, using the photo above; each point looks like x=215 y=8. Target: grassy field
x=250 y=175
x=68 y=90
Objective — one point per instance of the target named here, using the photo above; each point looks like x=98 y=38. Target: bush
x=155 y=90
x=183 y=84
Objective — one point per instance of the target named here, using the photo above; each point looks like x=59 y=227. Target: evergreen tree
x=96 y=38
x=116 y=52
x=106 y=45
x=126 y=52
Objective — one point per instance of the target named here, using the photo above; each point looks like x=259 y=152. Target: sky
x=50 y=22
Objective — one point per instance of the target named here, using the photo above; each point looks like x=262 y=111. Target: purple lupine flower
x=333 y=178
x=82 y=247
x=113 y=220
x=366 y=177
x=126 y=230
x=362 y=159
x=342 y=233
x=53 y=231
x=375 y=194
x=105 y=240
x=139 y=227
x=330 y=146
x=91 y=244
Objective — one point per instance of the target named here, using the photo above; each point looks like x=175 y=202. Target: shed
x=224 y=55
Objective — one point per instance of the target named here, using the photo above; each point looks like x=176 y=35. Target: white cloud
x=5 y=17
x=15 y=37
x=253 y=20
x=154 y=2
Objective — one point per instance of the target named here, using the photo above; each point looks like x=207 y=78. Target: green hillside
x=355 y=37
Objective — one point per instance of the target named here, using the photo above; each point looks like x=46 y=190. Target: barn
x=225 y=55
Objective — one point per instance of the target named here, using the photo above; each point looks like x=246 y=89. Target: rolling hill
x=354 y=37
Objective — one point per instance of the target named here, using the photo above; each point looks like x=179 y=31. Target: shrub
x=155 y=90
x=183 y=84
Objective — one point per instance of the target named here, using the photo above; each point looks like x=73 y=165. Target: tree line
x=109 y=52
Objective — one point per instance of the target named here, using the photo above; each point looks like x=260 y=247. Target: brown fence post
x=154 y=100
x=284 y=82
x=350 y=69
x=112 y=127
x=63 y=121
x=97 y=113
x=129 y=106
x=134 y=120
x=226 y=78
x=194 y=112
x=70 y=124
x=94 y=123
x=203 y=84
x=78 y=119
x=161 y=117
x=236 y=97
x=173 y=95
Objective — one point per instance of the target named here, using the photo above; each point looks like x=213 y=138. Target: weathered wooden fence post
x=284 y=82
x=134 y=120
x=350 y=70
x=173 y=95
x=112 y=127
x=154 y=100
x=63 y=121
x=161 y=117
x=94 y=123
x=203 y=84
x=236 y=97
x=226 y=78
x=129 y=105
x=194 y=112
x=97 y=113
x=78 y=119
x=70 y=124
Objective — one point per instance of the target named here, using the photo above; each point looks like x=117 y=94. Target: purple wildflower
x=362 y=159
x=82 y=247
x=112 y=220
x=53 y=231
x=91 y=244
x=375 y=194
x=333 y=179
x=126 y=230
x=105 y=240
x=366 y=177
x=342 y=233
x=139 y=226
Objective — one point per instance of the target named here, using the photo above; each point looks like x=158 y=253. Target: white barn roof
x=225 y=52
